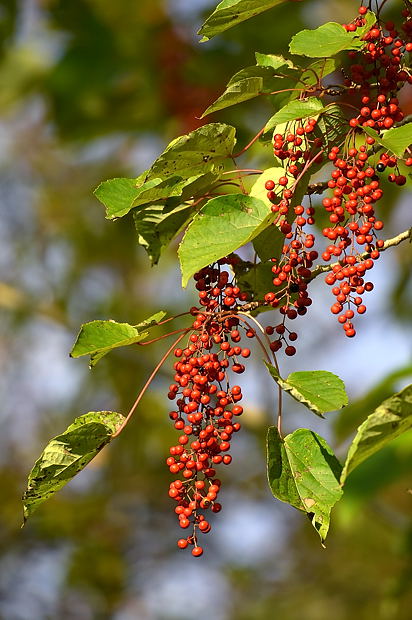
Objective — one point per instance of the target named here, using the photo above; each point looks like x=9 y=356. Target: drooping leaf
x=98 y=338
x=392 y=418
x=329 y=39
x=67 y=454
x=229 y=13
x=319 y=390
x=157 y=225
x=199 y=152
x=396 y=140
x=269 y=243
x=345 y=425
x=247 y=84
x=222 y=226
x=294 y=110
x=304 y=472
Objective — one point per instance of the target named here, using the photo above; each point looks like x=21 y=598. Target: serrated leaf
x=396 y=140
x=98 y=338
x=319 y=390
x=304 y=472
x=392 y=418
x=329 y=39
x=199 y=152
x=229 y=13
x=67 y=454
x=294 y=110
x=222 y=226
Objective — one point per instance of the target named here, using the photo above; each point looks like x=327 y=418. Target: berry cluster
x=376 y=74
x=207 y=406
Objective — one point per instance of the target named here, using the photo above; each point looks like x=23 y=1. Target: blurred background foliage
x=93 y=89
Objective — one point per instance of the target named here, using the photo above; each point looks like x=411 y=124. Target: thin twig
x=146 y=385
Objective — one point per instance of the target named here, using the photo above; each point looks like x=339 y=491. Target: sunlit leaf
x=304 y=472
x=229 y=13
x=319 y=390
x=222 y=226
x=392 y=418
x=98 y=338
x=67 y=454
x=329 y=39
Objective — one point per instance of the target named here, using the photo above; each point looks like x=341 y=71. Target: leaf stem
x=146 y=385
x=253 y=140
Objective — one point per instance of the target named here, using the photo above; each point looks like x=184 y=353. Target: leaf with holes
x=98 y=338
x=304 y=472
x=199 y=152
x=222 y=226
x=392 y=418
x=319 y=390
x=67 y=454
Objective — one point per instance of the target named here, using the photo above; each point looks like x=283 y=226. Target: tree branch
x=403 y=236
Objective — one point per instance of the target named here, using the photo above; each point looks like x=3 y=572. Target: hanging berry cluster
x=207 y=408
x=375 y=76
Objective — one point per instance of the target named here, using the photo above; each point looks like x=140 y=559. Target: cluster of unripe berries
x=207 y=406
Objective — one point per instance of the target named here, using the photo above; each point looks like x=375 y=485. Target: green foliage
x=297 y=109
x=67 y=454
x=392 y=418
x=319 y=390
x=396 y=140
x=304 y=472
x=98 y=338
x=231 y=12
x=223 y=225
x=199 y=152
x=329 y=39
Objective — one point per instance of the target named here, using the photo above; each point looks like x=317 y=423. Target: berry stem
x=147 y=384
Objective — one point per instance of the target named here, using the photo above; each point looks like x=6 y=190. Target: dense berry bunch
x=207 y=408
x=376 y=74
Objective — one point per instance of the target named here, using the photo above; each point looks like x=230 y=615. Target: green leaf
x=345 y=425
x=304 y=472
x=268 y=244
x=98 y=338
x=317 y=70
x=321 y=391
x=396 y=140
x=294 y=110
x=256 y=280
x=329 y=39
x=229 y=13
x=121 y=195
x=67 y=454
x=247 y=84
x=279 y=63
x=392 y=418
x=222 y=226
x=157 y=225
x=202 y=150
